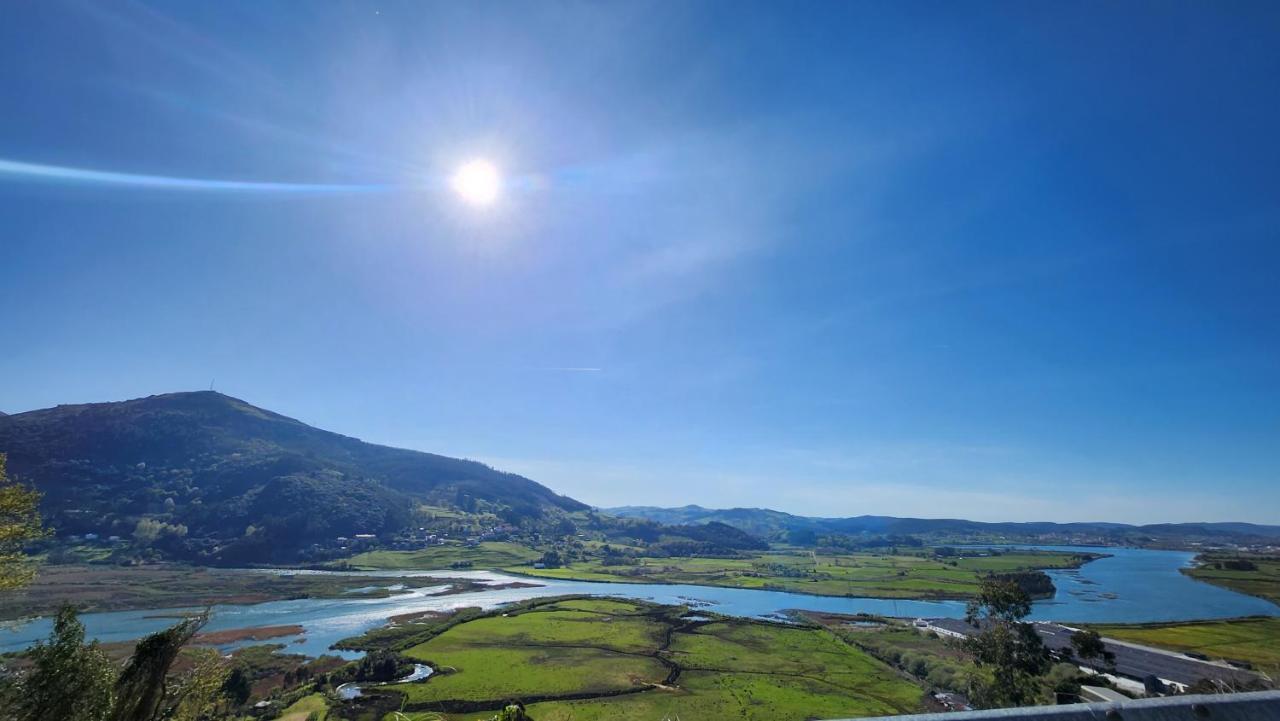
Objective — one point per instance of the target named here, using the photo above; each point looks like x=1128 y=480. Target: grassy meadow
x=303 y=708
x=848 y=574
x=619 y=660
x=490 y=554
x=1263 y=582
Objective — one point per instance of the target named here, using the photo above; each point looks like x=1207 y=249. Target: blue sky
x=1004 y=261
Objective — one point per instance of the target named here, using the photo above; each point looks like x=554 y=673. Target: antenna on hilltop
x=211 y=380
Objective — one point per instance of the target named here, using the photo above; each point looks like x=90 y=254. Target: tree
x=1009 y=649
x=68 y=679
x=19 y=525
x=141 y=690
x=1088 y=644
x=199 y=690
x=149 y=530
x=380 y=665
x=238 y=686
x=513 y=712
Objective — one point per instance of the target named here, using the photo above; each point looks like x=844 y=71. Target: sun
x=477 y=182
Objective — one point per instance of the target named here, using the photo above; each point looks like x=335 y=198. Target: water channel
x=1129 y=585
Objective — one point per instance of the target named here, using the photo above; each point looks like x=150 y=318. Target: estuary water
x=1130 y=585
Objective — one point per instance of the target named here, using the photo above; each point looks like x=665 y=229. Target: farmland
x=491 y=554
x=848 y=574
x=598 y=659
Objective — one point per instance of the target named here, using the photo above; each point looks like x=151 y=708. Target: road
x=1132 y=660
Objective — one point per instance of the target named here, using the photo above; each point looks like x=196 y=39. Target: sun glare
x=477 y=182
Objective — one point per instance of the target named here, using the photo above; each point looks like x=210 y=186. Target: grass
x=490 y=554
x=1256 y=640
x=935 y=661
x=862 y=574
x=621 y=632
x=493 y=673
x=305 y=706
x=620 y=653
x=727 y=695
x=542 y=652
x=1264 y=582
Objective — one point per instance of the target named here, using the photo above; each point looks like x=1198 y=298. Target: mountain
x=216 y=471
x=777 y=525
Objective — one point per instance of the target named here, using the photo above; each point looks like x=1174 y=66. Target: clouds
x=14 y=170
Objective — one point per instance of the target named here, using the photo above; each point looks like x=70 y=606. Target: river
x=1130 y=585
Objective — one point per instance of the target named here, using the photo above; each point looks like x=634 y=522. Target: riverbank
x=98 y=588
x=1128 y=586
x=1253 y=574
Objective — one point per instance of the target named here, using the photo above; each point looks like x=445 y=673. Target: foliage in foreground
x=71 y=679
x=1007 y=647
x=19 y=525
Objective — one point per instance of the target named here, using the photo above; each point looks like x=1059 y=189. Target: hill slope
x=227 y=470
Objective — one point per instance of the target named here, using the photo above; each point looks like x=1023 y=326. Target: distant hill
x=240 y=479
x=777 y=525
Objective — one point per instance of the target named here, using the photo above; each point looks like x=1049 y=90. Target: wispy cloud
x=62 y=173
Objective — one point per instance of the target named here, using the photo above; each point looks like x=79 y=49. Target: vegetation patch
x=1252 y=574
x=588 y=658
x=111 y=588
x=490 y=554
x=903 y=575
x=1255 y=641
x=308 y=708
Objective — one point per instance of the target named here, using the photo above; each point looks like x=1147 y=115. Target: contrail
x=61 y=173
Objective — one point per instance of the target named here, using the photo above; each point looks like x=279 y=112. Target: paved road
x=1131 y=660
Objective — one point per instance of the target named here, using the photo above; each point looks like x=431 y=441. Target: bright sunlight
x=478 y=182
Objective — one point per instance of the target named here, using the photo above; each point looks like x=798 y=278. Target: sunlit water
x=1132 y=585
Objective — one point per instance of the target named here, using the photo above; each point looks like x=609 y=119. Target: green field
x=863 y=574
x=305 y=706
x=1263 y=582
x=621 y=660
x=490 y=554
x=937 y=662
x=1256 y=640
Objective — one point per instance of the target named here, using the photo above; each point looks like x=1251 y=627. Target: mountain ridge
x=767 y=523
x=223 y=469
